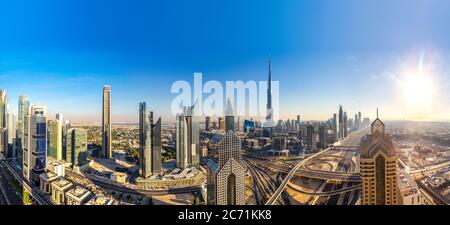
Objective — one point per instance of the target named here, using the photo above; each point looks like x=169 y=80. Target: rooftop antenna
x=377 y=112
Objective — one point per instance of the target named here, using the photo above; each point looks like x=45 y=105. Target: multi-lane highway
x=351 y=141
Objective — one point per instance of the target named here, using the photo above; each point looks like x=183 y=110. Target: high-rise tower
x=187 y=138
x=378 y=167
x=341 y=122
x=230 y=177
x=106 y=123
x=150 y=143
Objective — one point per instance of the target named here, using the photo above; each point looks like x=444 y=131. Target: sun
x=417 y=90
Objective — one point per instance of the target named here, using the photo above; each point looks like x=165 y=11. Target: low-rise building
x=57 y=167
x=59 y=188
x=45 y=182
x=408 y=190
x=100 y=200
x=77 y=196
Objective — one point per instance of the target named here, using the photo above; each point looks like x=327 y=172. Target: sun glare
x=417 y=90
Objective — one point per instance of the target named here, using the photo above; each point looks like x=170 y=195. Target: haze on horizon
x=393 y=55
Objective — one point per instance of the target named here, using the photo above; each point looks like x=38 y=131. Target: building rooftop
x=78 y=193
x=48 y=176
x=62 y=184
x=100 y=200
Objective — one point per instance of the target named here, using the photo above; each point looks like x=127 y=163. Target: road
x=352 y=140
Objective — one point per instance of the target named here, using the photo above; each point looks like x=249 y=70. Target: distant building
x=279 y=143
x=207 y=123
x=106 y=123
x=378 y=167
x=310 y=137
x=222 y=123
x=249 y=126
x=323 y=136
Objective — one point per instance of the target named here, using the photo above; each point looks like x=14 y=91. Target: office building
x=3 y=122
x=55 y=149
x=323 y=132
x=35 y=148
x=76 y=147
x=230 y=176
x=150 y=139
x=23 y=110
x=106 y=123
x=341 y=123
x=221 y=123
x=378 y=167
x=207 y=123
x=229 y=117
x=310 y=137
x=187 y=139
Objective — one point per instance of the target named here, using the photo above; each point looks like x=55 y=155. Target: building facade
x=106 y=123
x=378 y=167
x=230 y=177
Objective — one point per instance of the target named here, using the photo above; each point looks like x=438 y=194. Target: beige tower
x=378 y=167
x=106 y=122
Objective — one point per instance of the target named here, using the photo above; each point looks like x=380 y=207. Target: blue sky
x=324 y=52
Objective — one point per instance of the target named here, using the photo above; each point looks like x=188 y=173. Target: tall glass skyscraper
x=24 y=108
x=106 y=123
x=187 y=138
x=55 y=139
x=76 y=146
x=37 y=142
x=3 y=122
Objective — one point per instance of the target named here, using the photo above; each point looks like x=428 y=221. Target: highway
x=34 y=192
x=352 y=140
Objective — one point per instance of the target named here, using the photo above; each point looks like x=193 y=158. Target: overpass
x=282 y=187
x=33 y=192
x=327 y=193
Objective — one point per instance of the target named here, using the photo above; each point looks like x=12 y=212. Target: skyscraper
x=150 y=143
x=76 y=146
x=36 y=126
x=323 y=136
x=298 y=123
x=106 y=123
x=345 y=124
x=55 y=143
x=207 y=123
x=221 y=123
x=24 y=108
x=269 y=123
x=230 y=177
x=360 y=121
x=11 y=135
x=341 y=122
x=187 y=138
x=310 y=137
x=378 y=167
x=3 y=121
x=336 y=126
x=229 y=117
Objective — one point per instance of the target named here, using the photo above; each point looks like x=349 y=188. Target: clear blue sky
x=324 y=52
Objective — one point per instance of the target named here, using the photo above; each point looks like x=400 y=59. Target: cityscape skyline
x=315 y=72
